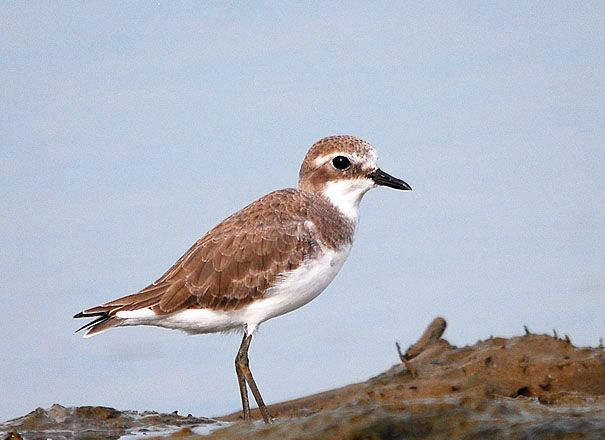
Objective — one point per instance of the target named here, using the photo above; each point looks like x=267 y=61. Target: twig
x=431 y=335
x=406 y=361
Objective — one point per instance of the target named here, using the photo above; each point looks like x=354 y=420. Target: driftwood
x=431 y=335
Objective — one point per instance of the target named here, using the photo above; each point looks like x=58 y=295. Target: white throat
x=346 y=195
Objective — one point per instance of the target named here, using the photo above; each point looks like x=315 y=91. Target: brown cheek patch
x=327 y=172
x=354 y=172
x=320 y=177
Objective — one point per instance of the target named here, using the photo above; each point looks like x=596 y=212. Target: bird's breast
x=296 y=288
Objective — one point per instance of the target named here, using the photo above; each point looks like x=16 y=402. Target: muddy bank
x=530 y=386
x=98 y=422
x=549 y=369
x=445 y=418
x=526 y=387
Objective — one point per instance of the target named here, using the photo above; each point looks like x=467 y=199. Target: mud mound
x=95 y=422
x=526 y=387
x=543 y=367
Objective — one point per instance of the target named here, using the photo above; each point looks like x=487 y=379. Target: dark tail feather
x=103 y=322
x=88 y=315
x=102 y=317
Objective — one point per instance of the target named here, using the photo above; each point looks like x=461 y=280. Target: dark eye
x=341 y=162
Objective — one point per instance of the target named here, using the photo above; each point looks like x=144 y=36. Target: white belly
x=294 y=290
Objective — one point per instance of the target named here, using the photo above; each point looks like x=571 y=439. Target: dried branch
x=431 y=335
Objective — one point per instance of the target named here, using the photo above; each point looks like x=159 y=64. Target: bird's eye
x=341 y=162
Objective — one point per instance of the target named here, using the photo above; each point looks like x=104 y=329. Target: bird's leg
x=241 y=380
x=244 y=375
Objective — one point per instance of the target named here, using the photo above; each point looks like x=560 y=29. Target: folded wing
x=232 y=265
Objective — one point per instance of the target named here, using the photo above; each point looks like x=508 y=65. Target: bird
x=267 y=259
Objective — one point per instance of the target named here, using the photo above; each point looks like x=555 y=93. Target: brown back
x=241 y=258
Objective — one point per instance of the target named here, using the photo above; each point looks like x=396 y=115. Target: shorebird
x=271 y=257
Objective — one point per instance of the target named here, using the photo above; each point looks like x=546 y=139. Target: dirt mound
x=531 y=386
x=544 y=367
x=95 y=422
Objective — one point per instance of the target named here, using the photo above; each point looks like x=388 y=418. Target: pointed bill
x=384 y=179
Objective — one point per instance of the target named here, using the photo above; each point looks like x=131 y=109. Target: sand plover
x=269 y=258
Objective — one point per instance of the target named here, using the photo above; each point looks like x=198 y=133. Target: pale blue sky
x=128 y=130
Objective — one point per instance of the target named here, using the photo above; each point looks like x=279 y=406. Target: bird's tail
x=105 y=314
x=103 y=321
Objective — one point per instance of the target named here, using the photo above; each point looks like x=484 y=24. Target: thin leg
x=243 y=368
x=241 y=380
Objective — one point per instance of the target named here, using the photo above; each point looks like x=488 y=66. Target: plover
x=271 y=257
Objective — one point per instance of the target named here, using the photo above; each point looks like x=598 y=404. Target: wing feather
x=233 y=264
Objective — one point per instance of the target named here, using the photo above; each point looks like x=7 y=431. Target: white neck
x=346 y=195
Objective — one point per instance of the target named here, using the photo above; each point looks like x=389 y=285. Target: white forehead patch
x=368 y=162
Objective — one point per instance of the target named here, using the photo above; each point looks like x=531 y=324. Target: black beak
x=382 y=178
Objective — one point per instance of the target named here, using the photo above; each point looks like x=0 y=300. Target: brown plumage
x=237 y=261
